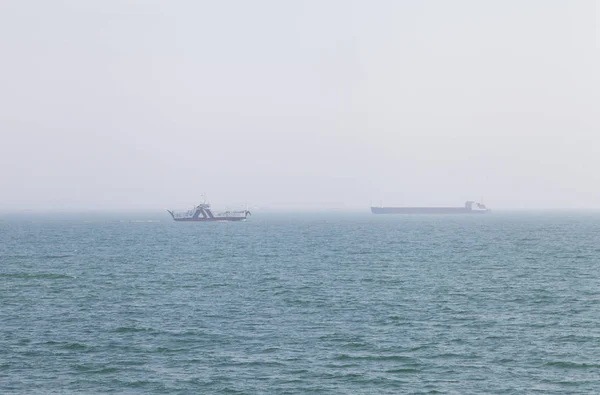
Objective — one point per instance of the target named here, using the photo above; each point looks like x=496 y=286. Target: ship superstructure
x=470 y=207
x=203 y=213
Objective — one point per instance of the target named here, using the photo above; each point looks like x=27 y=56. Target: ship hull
x=425 y=210
x=203 y=213
x=208 y=219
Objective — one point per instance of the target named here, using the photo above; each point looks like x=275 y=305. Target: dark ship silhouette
x=470 y=207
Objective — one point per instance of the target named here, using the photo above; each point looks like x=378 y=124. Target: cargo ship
x=470 y=207
x=203 y=213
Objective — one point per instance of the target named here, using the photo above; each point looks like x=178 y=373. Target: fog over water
x=110 y=105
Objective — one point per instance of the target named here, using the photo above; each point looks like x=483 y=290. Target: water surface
x=301 y=304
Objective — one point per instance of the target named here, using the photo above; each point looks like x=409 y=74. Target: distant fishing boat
x=203 y=213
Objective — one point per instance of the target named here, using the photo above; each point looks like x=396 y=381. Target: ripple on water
x=325 y=304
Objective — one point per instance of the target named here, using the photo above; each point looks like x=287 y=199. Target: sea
x=300 y=303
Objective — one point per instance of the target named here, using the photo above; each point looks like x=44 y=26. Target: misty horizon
x=128 y=105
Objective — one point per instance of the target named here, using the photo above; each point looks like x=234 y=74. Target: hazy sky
x=299 y=104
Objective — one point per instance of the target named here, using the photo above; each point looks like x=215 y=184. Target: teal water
x=301 y=304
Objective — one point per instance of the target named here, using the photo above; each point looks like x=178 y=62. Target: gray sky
x=299 y=104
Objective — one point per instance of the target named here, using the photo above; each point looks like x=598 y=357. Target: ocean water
x=507 y=303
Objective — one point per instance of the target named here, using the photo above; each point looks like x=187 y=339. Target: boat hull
x=426 y=210
x=203 y=213
x=214 y=219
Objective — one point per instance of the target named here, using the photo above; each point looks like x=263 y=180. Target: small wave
x=106 y=370
x=346 y=357
x=260 y=363
x=298 y=371
x=138 y=384
x=404 y=370
x=353 y=375
x=228 y=390
x=35 y=275
x=573 y=365
x=166 y=350
x=528 y=239
x=451 y=355
x=129 y=363
x=300 y=302
x=417 y=348
x=504 y=360
x=573 y=383
x=75 y=346
x=94 y=369
x=340 y=337
x=55 y=256
x=575 y=339
x=269 y=350
x=365 y=252
x=271 y=278
x=354 y=345
x=341 y=365
x=216 y=285
x=34 y=256
x=17 y=256
x=292 y=381
x=126 y=329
